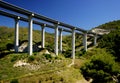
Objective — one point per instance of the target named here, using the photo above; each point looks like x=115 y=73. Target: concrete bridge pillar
x=85 y=41
x=30 y=28
x=60 y=34
x=56 y=39
x=73 y=44
x=95 y=39
x=43 y=36
x=17 y=34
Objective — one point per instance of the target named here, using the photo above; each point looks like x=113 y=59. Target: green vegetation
x=101 y=67
x=103 y=64
x=110 y=25
x=44 y=67
x=112 y=43
x=39 y=62
x=100 y=63
x=7 y=37
x=14 y=81
x=31 y=58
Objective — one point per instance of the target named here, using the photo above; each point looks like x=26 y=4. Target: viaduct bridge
x=8 y=9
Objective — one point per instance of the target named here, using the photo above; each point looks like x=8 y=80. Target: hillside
x=42 y=63
x=110 y=25
x=104 y=66
x=107 y=27
x=111 y=37
x=99 y=64
x=7 y=37
x=7 y=40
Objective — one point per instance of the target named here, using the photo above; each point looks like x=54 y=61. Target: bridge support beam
x=30 y=47
x=60 y=34
x=43 y=36
x=56 y=39
x=95 y=39
x=85 y=41
x=73 y=44
x=17 y=34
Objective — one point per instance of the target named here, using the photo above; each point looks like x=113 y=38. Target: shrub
x=79 y=54
x=112 y=43
x=67 y=53
x=47 y=56
x=9 y=46
x=14 y=58
x=14 y=81
x=31 y=58
x=101 y=68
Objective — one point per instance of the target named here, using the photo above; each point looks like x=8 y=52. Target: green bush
x=47 y=56
x=67 y=53
x=100 y=68
x=111 y=42
x=14 y=58
x=79 y=54
x=31 y=58
x=9 y=46
x=14 y=81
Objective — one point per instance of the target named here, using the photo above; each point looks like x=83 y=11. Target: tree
x=100 y=67
x=112 y=43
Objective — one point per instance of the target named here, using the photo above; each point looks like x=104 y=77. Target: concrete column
x=43 y=36
x=60 y=34
x=30 y=47
x=95 y=39
x=85 y=41
x=17 y=34
x=73 y=44
x=56 y=39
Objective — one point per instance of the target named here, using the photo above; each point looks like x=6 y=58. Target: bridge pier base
x=56 y=39
x=60 y=34
x=17 y=34
x=85 y=41
x=43 y=36
x=73 y=44
x=30 y=47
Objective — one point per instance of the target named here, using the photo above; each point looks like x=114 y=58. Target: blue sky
x=85 y=14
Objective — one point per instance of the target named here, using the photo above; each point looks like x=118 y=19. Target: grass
x=54 y=70
x=65 y=75
x=7 y=71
